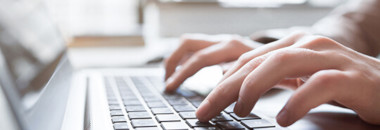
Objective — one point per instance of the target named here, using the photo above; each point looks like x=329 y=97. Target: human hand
x=198 y=53
x=320 y=69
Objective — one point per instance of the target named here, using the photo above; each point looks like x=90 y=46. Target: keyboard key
x=186 y=93
x=116 y=113
x=143 y=94
x=196 y=98
x=114 y=107
x=230 y=108
x=206 y=128
x=178 y=102
x=258 y=123
x=139 y=115
x=132 y=103
x=196 y=103
x=113 y=102
x=125 y=89
x=127 y=94
x=156 y=104
x=161 y=111
x=152 y=99
x=181 y=108
x=118 y=119
x=174 y=125
x=188 y=115
x=172 y=96
x=222 y=117
x=143 y=123
x=121 y=126
x=135 y=109
x=148 y=128
x=196 y=123
x=129 y=98
x=250 y=116
x=167 y=118
x=230 y=125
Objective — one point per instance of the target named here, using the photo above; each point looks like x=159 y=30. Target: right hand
x=194 y=54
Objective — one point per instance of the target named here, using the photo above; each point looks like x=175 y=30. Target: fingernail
x=283 y=118
x=168 y=84
x=239 y=107
x=169 y=81
x=203 y=111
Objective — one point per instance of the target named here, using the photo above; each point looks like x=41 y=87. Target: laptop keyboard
x=137 y=103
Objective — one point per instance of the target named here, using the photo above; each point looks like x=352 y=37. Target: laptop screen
x=30 y=43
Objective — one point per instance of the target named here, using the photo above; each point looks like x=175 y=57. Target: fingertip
x=170 y=86
x=168 y=90
x=243 y=108
x=238 y=109
x=283 y=118
x=203 y=111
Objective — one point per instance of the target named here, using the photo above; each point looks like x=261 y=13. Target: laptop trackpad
x=204 y=80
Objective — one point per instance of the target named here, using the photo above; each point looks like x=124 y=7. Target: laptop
x=40 y=90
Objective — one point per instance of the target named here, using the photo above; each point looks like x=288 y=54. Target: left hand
x=198 y=53
x=332 y=71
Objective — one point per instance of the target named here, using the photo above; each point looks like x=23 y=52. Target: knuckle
x=321 y=39
x=234 y=41
x=283 y=55
x=299 y=33
x=254 y=63
x=330 y=78
x=317 y=40
x=344 y=58
x=244 y=58
x=357 y=74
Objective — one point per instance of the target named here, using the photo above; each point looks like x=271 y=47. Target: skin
x=319 y=69
x=194 y=54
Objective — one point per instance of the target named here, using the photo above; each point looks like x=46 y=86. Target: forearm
x=356 y=25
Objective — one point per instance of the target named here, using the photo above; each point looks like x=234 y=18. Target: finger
x=245 y=58
x=187 y=46
x=321 y=88
x=283 y=63
x=212 y=55
x=225 y=93
x=291 y=83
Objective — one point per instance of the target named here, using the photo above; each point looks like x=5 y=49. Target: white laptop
x=41 y=91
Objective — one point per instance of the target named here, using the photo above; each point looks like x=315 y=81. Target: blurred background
x=175 y=17
x=157 y=24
